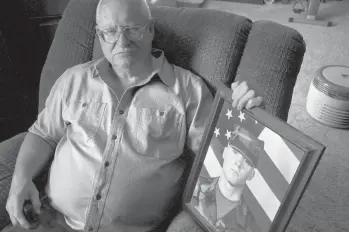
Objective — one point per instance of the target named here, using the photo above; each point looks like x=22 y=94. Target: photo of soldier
x=220 y=199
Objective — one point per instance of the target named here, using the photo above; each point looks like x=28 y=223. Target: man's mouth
x=125 y=51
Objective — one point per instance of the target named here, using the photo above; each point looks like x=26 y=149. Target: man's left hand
x=244 y=97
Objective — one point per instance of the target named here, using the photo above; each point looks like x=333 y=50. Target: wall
x=44 y=7
x=45 y=14
x=27 y=28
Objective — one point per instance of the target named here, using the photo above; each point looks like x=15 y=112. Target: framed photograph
x=251 y=172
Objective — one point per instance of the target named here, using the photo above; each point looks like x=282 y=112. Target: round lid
x=338 y=75
x=333 y=80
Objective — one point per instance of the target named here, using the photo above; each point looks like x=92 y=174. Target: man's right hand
x=20 y=191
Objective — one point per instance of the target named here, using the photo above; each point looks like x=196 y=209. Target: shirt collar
x=161 y=67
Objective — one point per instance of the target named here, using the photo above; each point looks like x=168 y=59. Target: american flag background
x=274 y=173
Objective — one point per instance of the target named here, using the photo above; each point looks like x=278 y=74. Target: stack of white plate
x=328 y=96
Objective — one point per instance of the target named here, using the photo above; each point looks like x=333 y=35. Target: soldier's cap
x=246 y=144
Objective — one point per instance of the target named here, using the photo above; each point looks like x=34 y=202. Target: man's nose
x=123 y=40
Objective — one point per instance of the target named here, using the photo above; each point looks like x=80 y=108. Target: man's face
x=236 y=169
x=125 y=52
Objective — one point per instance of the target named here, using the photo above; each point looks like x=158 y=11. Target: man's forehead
x=122 y=13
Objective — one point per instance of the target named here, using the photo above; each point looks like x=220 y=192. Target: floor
x=325 y=204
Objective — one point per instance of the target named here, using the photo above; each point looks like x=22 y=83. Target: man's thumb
x=36 y=202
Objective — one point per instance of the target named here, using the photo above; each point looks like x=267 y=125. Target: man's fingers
x=19 y=216
x=245 y=98
x=13 y=219
x=234 y=85
x=239 y=92
x=34 y=196
x=22 y=222
x=254 y=102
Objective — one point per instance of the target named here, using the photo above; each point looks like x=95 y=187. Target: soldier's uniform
x=207 y=198
x=223 y=214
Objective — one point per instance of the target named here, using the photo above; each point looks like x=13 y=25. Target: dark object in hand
x=30 y=215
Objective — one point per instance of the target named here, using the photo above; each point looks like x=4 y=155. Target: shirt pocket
x=156 y=131
x=86 y=118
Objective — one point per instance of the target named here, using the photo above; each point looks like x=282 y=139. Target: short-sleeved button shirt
x=118 y=157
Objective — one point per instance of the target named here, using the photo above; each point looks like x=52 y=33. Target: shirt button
x=84 y=104
x=106 y=164
x=98 y=197
x=90 y=228
x=121 y=112
x=114 y=137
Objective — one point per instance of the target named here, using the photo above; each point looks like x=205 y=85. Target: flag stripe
x=279 y=153
x=298 y=153
x=260 y=216
x=272 y=176
x=264 y=195
x=218 y=148
x=211 y=163
x=204 y=172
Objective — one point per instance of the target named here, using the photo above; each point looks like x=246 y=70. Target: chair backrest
x=216 y=45
x=195 y=39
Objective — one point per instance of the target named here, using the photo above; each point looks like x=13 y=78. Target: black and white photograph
x=246 y=170
x=174 y=115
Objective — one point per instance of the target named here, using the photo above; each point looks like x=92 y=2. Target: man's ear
x=251 y=175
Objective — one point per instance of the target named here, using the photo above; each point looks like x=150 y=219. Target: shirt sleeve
x=50 y=125
x=198 y=109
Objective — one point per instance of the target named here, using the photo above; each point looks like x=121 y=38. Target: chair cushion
x=270 y=64
x=72 y=44
x=210 y=43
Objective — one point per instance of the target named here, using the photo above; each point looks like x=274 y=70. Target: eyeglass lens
x=133 y=34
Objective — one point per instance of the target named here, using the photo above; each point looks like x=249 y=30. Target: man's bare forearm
x=32 y=156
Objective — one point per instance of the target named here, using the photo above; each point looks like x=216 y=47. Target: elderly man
x=220 y=200
x=117 y=128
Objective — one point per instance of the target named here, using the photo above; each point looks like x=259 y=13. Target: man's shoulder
x=186 y=73
x=187 y=77
x=81 y=68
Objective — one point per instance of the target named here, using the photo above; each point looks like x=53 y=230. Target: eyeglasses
x=112 y=35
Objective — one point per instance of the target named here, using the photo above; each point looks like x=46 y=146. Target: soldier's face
x=236 y=168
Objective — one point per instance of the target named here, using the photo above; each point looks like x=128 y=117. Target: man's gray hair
x=143 y=2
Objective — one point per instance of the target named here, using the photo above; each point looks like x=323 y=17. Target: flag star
x=256 y=121
x=229 y=114
x=216 y=131
x=228 y=134
x=242 y=116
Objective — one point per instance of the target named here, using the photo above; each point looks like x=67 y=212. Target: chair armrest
x=183 y=223
x=8 y=154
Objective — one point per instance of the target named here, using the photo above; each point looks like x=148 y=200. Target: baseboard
x=190 y=3
x=256 y=2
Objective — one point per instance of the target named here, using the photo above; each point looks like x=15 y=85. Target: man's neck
x=135 y=73
x=229 y=191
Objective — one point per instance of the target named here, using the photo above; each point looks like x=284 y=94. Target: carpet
x=324 y=206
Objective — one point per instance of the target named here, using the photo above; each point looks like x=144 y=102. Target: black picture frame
x=310 y=149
